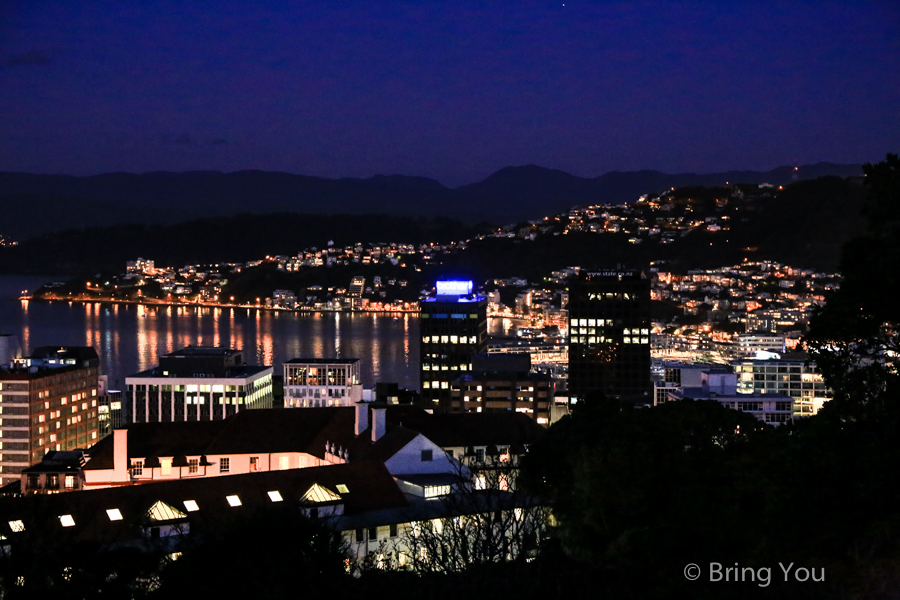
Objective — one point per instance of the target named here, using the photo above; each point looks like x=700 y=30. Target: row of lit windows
x=434 y=385
x=188 y=388
x=462 y=367
x=114 y=514
x=591 y=322
x=317 y=393
x=53 y=438
x=450 y=316
x=611 y=296
x=448 y=339
x=581 y=339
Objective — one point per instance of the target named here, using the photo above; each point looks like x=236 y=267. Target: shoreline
x=302 y=311
x=167 y=303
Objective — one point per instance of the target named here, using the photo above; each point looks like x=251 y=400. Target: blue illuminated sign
x=454 y=288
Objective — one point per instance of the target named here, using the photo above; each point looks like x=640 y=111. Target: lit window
x=284 y=462
x=114 y=514
x=233 y=500
x=191 y=505
x=69 y=481
x=341 y=488
x=274 y=496
x=17 y=526
x=67 y=521
x=166 y=466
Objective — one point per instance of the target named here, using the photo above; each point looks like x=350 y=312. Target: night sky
x=449 y=90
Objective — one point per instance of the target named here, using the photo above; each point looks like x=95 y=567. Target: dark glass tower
x=609 y=335
x=453 y=329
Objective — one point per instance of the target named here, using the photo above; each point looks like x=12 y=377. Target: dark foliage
x=639 y=494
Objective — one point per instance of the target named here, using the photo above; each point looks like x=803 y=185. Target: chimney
x=378 y=423
x=120 y=455
x=362 y=417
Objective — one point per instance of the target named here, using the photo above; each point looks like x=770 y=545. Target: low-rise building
x=720 y=387
x=197 y=384
x=321 y=382
x=794 y=377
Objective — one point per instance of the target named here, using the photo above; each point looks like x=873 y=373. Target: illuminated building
x=747 y=345
x=48 y=402
x=721 y=387
x=609 y=335
x=197 y=384
x=314 y=382
x=797 y=378
x=501 y=383
x=453 y=329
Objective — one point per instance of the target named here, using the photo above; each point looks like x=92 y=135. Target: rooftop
x=322 y=361
x=241 y=372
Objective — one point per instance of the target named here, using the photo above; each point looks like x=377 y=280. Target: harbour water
x=130 y=337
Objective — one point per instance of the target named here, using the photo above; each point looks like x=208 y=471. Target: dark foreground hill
x=35 y=204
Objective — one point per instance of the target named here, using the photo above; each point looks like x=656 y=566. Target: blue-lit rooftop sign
x=454 y=288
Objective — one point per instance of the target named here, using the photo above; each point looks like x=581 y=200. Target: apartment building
x=48 y=402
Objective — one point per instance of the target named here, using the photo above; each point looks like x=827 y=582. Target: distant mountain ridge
x=34 y=204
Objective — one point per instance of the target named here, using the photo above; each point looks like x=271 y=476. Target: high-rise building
x=197 y=384
x=609 y=335
x=315 y=382
x=453 y=329
x=48 y=402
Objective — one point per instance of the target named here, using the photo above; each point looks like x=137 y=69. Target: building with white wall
x=197 y=384
x=794 y=377
x=262 y=440
x=748 y=345
x=720 y=387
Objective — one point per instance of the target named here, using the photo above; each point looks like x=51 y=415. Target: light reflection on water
x=129 y=338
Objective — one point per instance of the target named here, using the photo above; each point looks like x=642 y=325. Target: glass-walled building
x=609 y=335
x=315 y=382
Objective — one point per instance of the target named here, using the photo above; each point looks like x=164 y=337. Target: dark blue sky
x=450 y=90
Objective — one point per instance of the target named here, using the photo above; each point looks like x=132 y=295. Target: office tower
x=453 y=329
x=609 y=335
x=48 y=402
x=315 y=382
x=197 y=384
x=503 y=382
